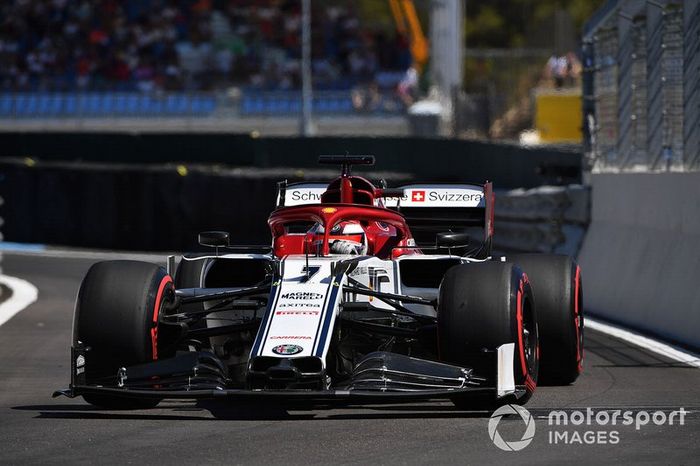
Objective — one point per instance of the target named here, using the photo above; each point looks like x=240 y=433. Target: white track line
x=655 y=346
x=23 y=294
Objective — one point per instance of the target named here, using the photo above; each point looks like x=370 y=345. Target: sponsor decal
x=375 y=277
x=296 y=305
x=454 y=197
x=298 y=195
x=418 y=196
x=359 y=271
x=302 y=295
x=303 y=194
x=448 y=196
x=305 y=312
x=79 y=364
x=291 y=337
x=287 y=350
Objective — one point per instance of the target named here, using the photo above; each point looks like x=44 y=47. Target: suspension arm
x=189 y=295
x=389 y=296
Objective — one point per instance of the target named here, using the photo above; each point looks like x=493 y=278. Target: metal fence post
x=691 y=85
x=606 y=95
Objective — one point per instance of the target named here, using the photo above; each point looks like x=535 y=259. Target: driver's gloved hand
x=342 y=246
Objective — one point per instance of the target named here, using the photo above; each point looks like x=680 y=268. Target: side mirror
x=452 y=240
x=213 y=239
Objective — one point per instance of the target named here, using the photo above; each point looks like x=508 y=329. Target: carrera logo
x=297 y=313
x=418 y=196
x=292 y=337
x=302 y=295
x=287 y=350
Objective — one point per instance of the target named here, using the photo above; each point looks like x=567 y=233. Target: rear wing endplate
x=433 y=208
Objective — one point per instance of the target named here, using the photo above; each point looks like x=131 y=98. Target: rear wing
x=433 y=208
x=429 y=209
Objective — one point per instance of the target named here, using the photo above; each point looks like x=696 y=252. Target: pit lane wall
x=147 y=191
x=641 y=254
x=547 y=219
x=163 y=207
x=430 y=159
x=138 y=207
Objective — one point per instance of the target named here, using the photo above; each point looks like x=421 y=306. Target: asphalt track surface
x=34 y=428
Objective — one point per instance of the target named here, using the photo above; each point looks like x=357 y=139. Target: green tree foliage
x=507 y=23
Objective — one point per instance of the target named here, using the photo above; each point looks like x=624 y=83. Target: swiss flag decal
x=418 y=196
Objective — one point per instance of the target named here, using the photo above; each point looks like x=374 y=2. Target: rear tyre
x=556 y=284
x=481 y=307
x=116 y=317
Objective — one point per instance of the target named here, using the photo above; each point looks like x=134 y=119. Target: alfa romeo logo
x=287 y=350
x=516 y=445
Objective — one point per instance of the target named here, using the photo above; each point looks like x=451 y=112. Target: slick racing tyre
x=481 y=307
x=116 y=319
x=556 y=285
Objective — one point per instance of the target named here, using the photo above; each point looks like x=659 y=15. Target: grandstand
x=191 y=58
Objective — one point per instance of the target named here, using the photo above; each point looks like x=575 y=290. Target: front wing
x=380 y=378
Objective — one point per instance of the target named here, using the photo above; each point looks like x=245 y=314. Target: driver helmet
x=346 y=237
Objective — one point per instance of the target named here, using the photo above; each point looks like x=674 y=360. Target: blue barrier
x=277 y=104
x=104 y=104
x=132 y=104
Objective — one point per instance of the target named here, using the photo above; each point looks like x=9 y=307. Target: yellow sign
x=558 y=116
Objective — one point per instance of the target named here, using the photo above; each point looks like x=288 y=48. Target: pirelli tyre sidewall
x=116 y=319
x=481 y=307
x=558 y=291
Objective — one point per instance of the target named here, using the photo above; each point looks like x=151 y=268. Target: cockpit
x=325 y=229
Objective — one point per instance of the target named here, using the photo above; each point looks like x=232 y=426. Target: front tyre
x=481 y=307
x=116 y=318
x=558 y=290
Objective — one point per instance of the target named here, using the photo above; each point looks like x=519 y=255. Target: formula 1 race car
x=366 y=294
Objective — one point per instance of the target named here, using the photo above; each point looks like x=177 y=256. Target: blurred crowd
x=149 y=45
